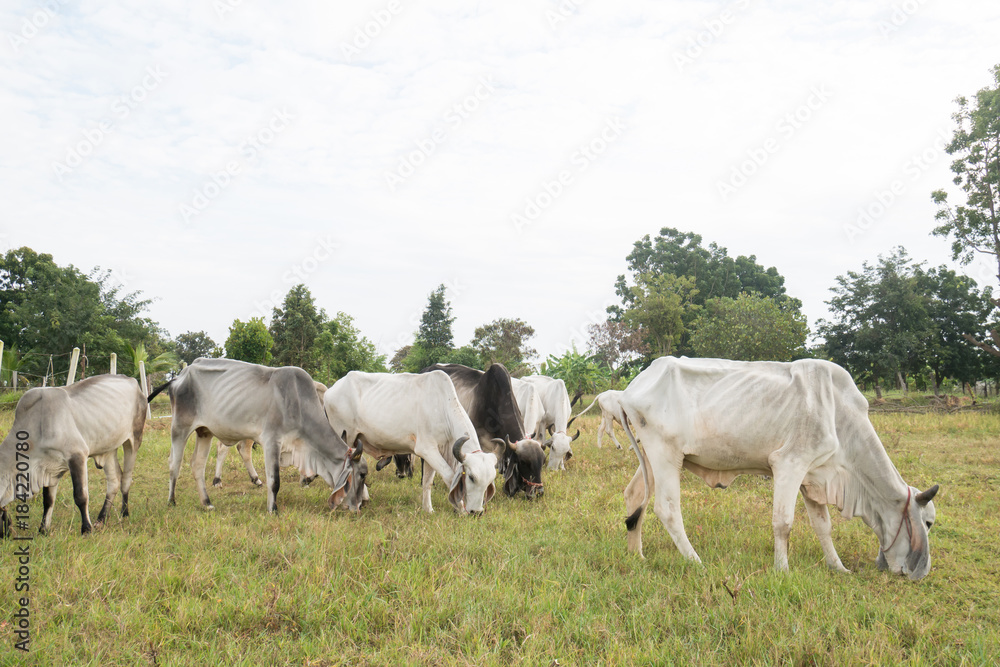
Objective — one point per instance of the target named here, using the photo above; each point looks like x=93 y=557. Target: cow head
x=472 y=487
x=905 y=548
x=353 y=491
x=524 y=460
x=560 y=449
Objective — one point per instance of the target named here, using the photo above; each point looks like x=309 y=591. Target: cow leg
x=129 y=452
x=78 y=473
x=272 y=470
x=178 y=438
x=601 y=429
x=819 y=516
x=113 y=477
x=202 y=444
x=611 y=432
x=221 y=452
x=634 y=494
x=425 y=496
x=666 y=473
x=245 y=448
x=787 y=479
x=432 y=457
x=48 y=503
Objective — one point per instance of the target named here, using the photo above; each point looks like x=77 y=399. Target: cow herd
x=802 y=423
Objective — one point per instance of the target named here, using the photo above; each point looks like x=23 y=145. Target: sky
x=214 y=154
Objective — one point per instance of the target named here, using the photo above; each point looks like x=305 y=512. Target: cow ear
x=339 y=494
x=490 y=491
x=456 y=494
x=499 y=446
x=547 y=443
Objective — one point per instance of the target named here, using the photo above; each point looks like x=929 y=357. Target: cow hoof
x=209 y=508
x=216 y=482
x=257 y=481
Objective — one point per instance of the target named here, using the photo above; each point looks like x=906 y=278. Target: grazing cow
x=277 y=407
x=803 y=423
x=610 y=410
x=244 y=448
x=530 y=405
x=409 y=413
x=556 y=419
x=488 y=398
x=57 y=429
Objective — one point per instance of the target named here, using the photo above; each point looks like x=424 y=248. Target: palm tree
x=161 y=363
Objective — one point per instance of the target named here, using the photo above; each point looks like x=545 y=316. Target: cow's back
x=106 y=409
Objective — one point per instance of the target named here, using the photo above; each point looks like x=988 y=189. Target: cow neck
x=872 y=485
x=903 y=519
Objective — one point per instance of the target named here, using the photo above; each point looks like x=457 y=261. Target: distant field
x=530 y=583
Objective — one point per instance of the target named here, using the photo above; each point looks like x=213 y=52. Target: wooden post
x=72 y=366
x=1 y=358
x=114 y=364
x=145 y=389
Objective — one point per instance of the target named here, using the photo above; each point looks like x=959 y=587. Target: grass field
x=530 y=583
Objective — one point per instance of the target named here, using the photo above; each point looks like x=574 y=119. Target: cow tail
x=149 y=399
x=582 y=412
x=633 y=519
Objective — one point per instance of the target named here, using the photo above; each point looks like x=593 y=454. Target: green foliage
x=249 y=341
x=47 y=309
x=161 y=363
x=10 y=363
x=340 y=348
x=194 y=344
x=435 y=324
x=420 y=356
x=580 y=372
x=975 y=226
x=661 y=305
x=294 y=328
x=749 y=328
x=465 y=355
x=896 y=318
x=505 y=341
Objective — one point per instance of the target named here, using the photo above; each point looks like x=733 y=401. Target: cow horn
x=512 y=446
x=456 y=449
x=547 y=443
x=570 y=423
x=359 y=448
x=575 y=436
x=383 y=462
x=925 y=497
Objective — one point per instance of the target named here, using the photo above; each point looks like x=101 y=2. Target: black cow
x=488 y=398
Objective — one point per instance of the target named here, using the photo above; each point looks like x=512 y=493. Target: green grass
x=527 y=584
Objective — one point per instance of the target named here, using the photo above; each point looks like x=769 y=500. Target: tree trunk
x=878 y=390
x=902 y=382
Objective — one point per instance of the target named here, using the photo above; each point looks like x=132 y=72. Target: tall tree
x=194 y=344
x=434 y=338
x=249 y=341
x=340 y=348
x=505 y=341
x=294 y=327
x=749 y=328
x=661 y=304
x=974 y=227
x=616 y=345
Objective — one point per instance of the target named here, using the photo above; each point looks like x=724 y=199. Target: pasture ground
x=531 y=583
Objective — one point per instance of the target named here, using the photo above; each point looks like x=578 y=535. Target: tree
x=505 y=341
x=249 y=341
x=294 y=328
x=581 y=373
x=465 y=355
x=975 y=227
x=194 y=344
x=434 y=338
x=715 y=274
x=340 y=348
x=749 y=328
x=661 y=302
x=616 y=345
x=161 y=363
x=396 y=363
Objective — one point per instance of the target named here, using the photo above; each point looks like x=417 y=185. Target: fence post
x=72 y=366
x=114 y=364
x=145 y=389
x=1 y=358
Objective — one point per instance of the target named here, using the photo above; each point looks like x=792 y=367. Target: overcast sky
x=214 y=153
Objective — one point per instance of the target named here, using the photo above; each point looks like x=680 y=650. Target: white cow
x=555 y=400
x=57 y=429
x=803 y=423
x=408 y=413
x=530 y=404
x=610 y=410
x=245 y=447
